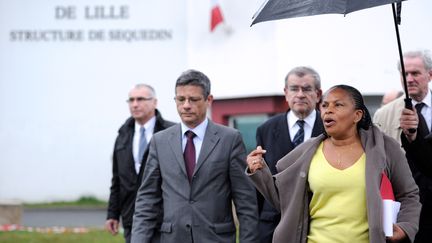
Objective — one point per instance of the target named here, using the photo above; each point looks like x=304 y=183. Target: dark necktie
x=299 y=136
x=142 y=144
x=422 y=127
x=189 y=154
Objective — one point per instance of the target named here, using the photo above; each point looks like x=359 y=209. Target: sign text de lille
x=91 y=13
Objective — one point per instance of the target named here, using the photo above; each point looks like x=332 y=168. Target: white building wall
x=61 y=102
x=359 y=49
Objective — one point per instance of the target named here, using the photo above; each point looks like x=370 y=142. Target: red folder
x=390 y=206
x=386 y=188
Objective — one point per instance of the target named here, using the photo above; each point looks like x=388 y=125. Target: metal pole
x=407 y=99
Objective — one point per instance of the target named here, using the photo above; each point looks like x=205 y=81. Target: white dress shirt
x=149 y=128
x=308 y=125
x=198 y=139
x=427 y=109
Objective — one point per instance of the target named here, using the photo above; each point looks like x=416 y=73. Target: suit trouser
x=266 y=229
x=127 y=234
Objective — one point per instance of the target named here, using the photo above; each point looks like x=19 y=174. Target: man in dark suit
x=278 y=134
x=418 y=144
x=193 y=176
x=128 y=159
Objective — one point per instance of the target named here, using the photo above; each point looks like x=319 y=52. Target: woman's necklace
x=340 y=151
x=339 y=156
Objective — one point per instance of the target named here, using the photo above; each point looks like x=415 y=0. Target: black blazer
x=125 y=181
x=419 y=156
x=273 y=136
x=419 y=153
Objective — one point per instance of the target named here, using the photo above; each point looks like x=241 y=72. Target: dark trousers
x=424 y=235
x=266 y=229
x=127 y=234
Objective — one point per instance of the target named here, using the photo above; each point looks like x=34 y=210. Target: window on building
x=247 y=125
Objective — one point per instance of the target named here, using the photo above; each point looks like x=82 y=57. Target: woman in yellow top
x=328 y=188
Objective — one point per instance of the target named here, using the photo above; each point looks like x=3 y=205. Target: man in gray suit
x=195 y=170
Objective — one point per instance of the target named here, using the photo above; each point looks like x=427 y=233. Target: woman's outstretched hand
x=255 y=159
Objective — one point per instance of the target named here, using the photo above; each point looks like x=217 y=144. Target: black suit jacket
x=125 y=181
x=419 y=156
x=419 y=153
x=273 y=136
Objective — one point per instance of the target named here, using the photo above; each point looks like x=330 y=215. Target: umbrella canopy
x=282 y=9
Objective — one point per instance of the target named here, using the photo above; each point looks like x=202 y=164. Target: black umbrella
x=282 y=9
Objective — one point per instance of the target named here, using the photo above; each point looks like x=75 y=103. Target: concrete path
x=67 y=217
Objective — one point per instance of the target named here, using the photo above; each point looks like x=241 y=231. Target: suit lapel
x=175 y=141
x=210 y=140
x=281 y=133
x=318 y=127
x=130 y=160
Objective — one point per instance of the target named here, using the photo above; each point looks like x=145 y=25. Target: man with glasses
x=193 y=176
x=282 y=133
x=130 y=152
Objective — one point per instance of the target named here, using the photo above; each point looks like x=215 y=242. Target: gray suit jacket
x=168 y=207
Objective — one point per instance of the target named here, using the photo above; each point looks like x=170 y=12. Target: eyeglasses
x=181 y=100
x=305 y=90
x=138 y=99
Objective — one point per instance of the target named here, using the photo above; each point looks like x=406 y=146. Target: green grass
x=94 y=236
x=85 y=201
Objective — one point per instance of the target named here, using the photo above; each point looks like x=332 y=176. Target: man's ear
x=210 y=99
x=319 y=94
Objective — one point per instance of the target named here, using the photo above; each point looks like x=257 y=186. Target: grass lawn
x=84 y=201
x=94 y=236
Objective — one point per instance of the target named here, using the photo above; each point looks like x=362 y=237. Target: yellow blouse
x=338 y=207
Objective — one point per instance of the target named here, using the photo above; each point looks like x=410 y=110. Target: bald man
x=390 y=96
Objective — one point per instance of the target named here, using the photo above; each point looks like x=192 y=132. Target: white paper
x=390 y=212
x=396 y=208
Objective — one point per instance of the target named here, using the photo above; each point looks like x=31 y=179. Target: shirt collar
x=148 y=126
x=427 y=100
x=198 y=130
x=309 y=120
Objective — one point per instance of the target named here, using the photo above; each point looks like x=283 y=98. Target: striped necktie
x=299 y=136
